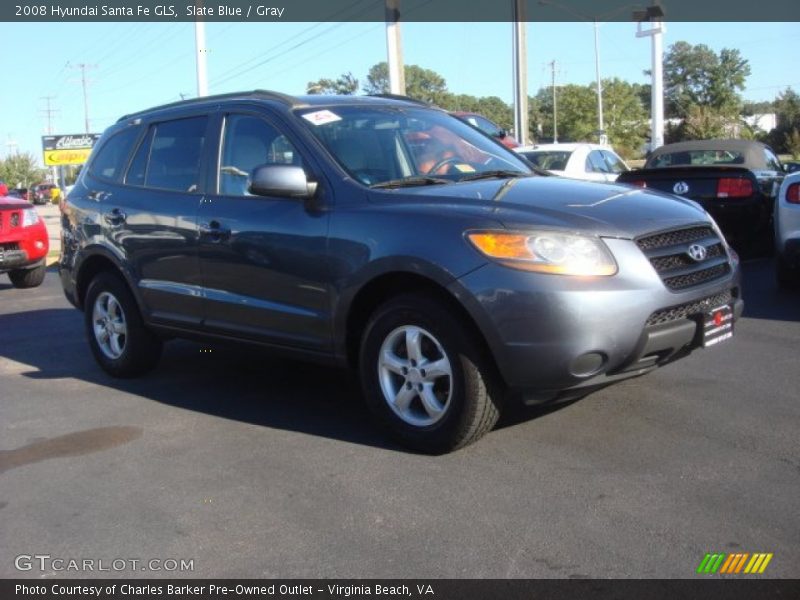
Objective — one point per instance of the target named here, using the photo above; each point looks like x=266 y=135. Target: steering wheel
x=450 y=160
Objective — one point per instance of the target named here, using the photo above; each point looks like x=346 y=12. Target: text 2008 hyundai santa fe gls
x=391 y=237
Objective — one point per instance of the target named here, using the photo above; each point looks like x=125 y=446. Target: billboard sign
x=72 y=149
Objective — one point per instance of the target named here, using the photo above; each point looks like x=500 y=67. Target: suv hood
x=604 y=209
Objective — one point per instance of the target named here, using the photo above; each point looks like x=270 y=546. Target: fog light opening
x=588 y=364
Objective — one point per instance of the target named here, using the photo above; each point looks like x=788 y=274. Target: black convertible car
x=736 y=181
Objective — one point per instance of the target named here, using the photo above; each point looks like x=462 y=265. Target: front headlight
x=547 y=252
x=29 y=217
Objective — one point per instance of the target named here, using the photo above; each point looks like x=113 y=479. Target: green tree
x=792 y=143
x=705 y=123
x=697 y=76
x=702 y=88
x=421 y=84
x=345 y=84
x=625 y=118
x=21 y=169
x=787 y=108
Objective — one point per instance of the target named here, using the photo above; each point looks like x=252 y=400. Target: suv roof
x=286 y=100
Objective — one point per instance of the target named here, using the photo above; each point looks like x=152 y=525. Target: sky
x=132 y=66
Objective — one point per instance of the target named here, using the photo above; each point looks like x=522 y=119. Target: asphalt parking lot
x=252 y=466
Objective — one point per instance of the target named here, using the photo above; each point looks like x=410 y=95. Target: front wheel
x=119 y=340
x=424 y=377
x=27 y=278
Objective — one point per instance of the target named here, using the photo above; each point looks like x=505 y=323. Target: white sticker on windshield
x=321 y=117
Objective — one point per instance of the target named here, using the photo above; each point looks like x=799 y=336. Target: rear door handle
x=115 y=217
x=214 y=231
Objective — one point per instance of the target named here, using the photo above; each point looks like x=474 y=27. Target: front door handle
x=214 y=231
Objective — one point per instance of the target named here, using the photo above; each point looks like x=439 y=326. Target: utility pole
x=202 y=52
x=48 y=113
x=555 y=102
x=13 y=146
x=84 y=83
x=601 y=129
x=520 y=43
x=394 y=48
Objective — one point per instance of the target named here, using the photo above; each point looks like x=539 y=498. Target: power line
x=243 y=67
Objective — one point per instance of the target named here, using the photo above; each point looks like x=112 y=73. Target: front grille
x=697 y=277
x=673 y=238
x=8 y=247
x=668 y=252
x=690 y=309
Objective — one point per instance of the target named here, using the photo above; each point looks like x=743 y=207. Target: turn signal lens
x=547 y=252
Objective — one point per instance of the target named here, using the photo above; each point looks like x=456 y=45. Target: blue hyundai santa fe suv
x=388 y=236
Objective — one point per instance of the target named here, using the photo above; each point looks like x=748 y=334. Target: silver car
x=787 y=233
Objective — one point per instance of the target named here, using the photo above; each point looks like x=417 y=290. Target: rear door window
x=175 y=155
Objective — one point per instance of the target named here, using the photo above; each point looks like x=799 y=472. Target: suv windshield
x=395 y=146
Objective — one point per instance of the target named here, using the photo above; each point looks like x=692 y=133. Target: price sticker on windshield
x=321 y=117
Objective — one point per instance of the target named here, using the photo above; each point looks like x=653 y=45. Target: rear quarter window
x=113 y=154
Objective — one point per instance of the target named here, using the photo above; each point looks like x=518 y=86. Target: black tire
x=787 y=278
x=27 y=278
x=139 y=348
x=470 y=409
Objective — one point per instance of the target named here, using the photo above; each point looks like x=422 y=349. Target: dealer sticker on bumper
x=717 y=325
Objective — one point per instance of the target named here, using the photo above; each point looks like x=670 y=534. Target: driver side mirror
x=285 y=181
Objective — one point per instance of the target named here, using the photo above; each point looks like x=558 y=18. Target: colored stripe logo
x=734 y=564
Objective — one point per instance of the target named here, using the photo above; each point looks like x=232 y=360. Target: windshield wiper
x=410 y=182
x=495 y=174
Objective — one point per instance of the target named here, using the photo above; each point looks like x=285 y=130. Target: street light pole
x=520 y=56
x=654 y=14
x=601 y=128
x=394 y=48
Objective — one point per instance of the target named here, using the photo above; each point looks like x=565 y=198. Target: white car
x=591 y=162
x=787 y=232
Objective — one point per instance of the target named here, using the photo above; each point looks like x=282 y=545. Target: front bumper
x=552 y=335
x=18 y=252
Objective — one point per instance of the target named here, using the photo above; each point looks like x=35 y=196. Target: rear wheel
x=27 y=278
x=119 y=340
x=424 y=377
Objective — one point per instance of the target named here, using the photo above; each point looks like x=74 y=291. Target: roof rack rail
x=266 y=94
x=401 y=97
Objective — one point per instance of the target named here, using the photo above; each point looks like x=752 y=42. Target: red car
x=23 y=242
x=488 y=127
